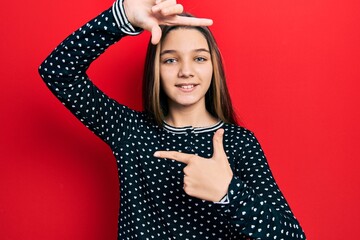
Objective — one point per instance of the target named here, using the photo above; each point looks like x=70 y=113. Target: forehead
x=184 y=39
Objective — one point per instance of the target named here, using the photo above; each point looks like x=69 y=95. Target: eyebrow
x=174 y=51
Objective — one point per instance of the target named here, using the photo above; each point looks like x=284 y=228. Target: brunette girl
x=186 y=169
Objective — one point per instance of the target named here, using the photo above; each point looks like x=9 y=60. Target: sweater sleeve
x=256 y=206
x=64 y=72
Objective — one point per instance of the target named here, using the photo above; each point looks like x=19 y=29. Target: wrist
x=121 y=18
x=127 y=13
x=224 y=190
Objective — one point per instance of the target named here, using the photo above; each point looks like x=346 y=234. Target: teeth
x=187 y=86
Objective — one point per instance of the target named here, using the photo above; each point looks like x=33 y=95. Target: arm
x=254 y=205
x=257 y=207
x=64 y=71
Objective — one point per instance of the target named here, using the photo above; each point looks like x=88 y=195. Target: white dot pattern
x=153 y=204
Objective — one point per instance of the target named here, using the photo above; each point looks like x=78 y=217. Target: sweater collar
x=190 y=129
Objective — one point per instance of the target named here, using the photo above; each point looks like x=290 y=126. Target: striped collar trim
x=190 y=129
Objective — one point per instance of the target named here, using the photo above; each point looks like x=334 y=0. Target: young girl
x=186 y=170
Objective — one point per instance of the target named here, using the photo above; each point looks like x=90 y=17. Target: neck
x=190 y=116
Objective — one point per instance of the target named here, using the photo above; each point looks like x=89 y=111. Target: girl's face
x=185 y=68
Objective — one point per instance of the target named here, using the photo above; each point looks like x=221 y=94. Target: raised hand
x=204 y=178
x=149 y=14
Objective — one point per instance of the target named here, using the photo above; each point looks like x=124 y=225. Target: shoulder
x=144 y=123
x=126 y=116
x=240 y=136
x=233 y=130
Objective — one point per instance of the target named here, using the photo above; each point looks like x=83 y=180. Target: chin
x=187 y=103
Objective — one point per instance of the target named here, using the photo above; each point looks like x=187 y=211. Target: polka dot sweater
x=153 y=204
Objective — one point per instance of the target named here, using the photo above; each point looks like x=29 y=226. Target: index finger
x=177 y=156
x=189 y=21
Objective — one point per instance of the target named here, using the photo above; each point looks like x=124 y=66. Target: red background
x=293 y=73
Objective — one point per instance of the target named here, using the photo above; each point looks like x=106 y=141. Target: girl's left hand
x=204 y=178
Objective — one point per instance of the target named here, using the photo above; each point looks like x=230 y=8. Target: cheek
x=207 y=74
x=166 y=74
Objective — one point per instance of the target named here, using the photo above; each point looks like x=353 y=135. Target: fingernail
x=156 y=154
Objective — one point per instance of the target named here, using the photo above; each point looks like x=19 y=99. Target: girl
x=186 y=170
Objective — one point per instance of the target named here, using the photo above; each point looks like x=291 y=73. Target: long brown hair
x=217 y=98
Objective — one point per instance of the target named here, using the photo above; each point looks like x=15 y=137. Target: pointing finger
x=191 y=21
x=218 y=144
x=177 y=156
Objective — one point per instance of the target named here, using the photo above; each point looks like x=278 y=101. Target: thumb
x=218 y=146
x=155 y=34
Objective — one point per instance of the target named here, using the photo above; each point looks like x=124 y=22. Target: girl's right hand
x=149 y=14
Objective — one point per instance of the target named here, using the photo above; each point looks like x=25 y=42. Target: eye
x=169 y=60
x=200 y=59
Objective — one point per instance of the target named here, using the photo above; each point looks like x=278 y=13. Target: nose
x=186 y=70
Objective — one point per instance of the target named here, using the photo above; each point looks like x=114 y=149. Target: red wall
x=293 y=73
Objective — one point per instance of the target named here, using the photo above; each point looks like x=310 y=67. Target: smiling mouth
x=186 y=86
